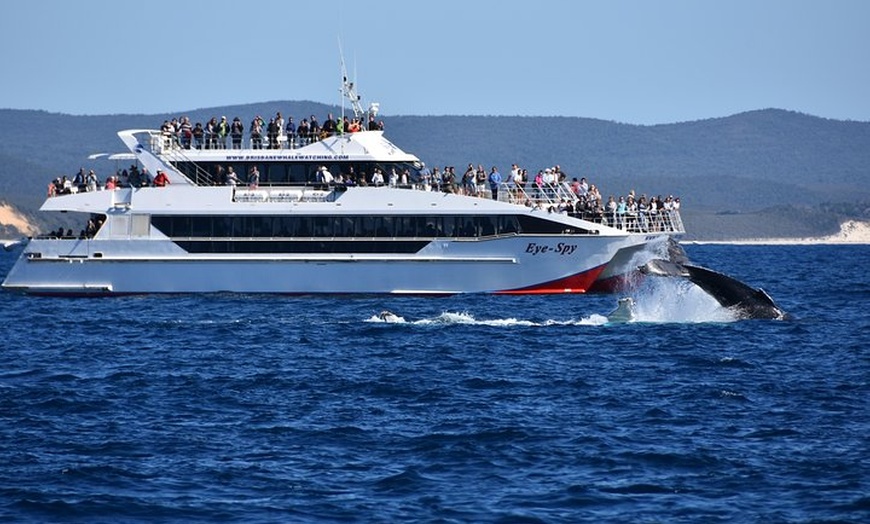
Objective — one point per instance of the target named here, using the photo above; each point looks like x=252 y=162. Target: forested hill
x=761 y=173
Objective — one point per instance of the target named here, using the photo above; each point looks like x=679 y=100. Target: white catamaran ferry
x=294 y=229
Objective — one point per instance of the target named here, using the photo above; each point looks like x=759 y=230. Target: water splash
x=386 y=317
x=467 y=319
x=664 y=300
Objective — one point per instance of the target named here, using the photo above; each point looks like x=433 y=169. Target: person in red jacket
x=161 y=180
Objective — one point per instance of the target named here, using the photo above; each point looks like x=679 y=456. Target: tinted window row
x=285 y=173
x=400 y=226
x=329 y=247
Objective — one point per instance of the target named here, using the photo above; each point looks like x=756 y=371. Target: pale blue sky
x=634 y=61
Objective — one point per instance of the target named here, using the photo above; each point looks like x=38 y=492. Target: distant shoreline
x=852 y=232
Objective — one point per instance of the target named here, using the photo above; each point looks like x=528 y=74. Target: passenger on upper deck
x=161 y=180
x=134 y=178
x=223 y=129
x=468 y=185
x=91 y=181
x=79 y=180
x=211 y=129
x=304 y=132
x=237 y=129
x=279 y=122
x=185 y=131
x=313 y=129
x=329 y=126
x=167 y=130
x=272 y=130
x=290 y=131
x=480 y=175
x=494 y=182
x=198 y=135
x=256 y=131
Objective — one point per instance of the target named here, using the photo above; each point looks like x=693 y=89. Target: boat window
x=467 y=227
x=347 y=226
x=282 y=227
x=261 y=226
x=508 y=224
x=322 y=226
x=181 y=227
x=297 y=173
x=200 y=227
x=275 y=174
x=304 y=227
x=222 y=226
x=367 y=226
x=486 y=225
x=240 y=227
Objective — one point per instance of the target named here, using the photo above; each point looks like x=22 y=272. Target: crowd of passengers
x=94 y=224
x=639 y=213
x=82 y=182
x=548 y=189
x=276 y=134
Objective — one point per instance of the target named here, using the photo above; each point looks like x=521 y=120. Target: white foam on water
x=673 y=300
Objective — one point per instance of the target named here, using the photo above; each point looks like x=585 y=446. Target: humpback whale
x=743 y=300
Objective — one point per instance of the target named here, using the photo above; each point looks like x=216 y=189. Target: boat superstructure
x=315 y=219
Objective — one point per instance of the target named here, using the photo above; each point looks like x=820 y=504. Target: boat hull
x=517 y=265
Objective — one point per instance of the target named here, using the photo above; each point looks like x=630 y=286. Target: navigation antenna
x=348 y=90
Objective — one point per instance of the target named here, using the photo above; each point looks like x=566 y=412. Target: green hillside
x=755 y=174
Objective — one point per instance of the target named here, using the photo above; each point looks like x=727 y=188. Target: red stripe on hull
x=617 y=283
x=579 y=283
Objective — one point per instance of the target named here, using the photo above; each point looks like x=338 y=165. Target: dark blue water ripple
x=248 y=408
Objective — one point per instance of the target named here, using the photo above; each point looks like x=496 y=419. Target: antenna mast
x=348 y=89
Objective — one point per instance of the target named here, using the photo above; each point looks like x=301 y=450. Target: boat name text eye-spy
x=559 y=249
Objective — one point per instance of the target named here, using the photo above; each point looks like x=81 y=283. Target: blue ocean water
x=251 y=408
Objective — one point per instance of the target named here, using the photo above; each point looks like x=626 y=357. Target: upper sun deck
x=362 y=146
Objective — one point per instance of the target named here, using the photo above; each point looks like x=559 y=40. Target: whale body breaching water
x=744 y=301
